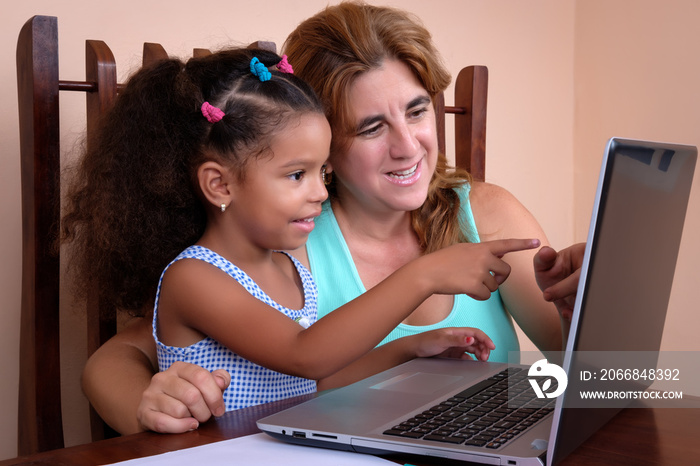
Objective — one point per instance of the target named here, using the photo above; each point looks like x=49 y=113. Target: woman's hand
x=557 y=274
x=178 y=399
x=453 y=342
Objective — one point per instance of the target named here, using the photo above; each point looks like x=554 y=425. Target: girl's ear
x=215 y=183
x=327 y=173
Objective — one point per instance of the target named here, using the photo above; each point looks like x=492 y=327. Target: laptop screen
x=628 y=269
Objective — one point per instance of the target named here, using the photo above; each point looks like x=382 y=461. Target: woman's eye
x=296 y=176
x=370 y=131
x=418 y=113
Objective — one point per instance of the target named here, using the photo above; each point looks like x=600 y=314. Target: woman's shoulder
x=488 y=197
x=497 y=210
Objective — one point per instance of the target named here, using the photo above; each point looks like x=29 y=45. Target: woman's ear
x=215 y=183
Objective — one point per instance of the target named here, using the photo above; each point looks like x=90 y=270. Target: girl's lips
x=306 y=224
x=405 y=177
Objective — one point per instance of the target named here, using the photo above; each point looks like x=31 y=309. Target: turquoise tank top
x=338 y=282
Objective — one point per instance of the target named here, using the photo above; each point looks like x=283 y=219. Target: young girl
x=228 y=152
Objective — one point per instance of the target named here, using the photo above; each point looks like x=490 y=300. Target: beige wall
x=636 y=75
x=564 y=76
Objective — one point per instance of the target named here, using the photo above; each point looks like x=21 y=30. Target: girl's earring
x=223 y=208
x=327 y=177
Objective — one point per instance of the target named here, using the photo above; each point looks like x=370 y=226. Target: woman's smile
x=405 y=177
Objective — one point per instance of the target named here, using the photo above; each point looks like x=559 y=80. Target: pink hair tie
x=284 y=66
x=211 y=113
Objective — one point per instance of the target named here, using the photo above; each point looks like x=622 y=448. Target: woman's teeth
x=404 y=173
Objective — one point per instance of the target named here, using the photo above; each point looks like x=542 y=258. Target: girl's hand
x=474 y=269
x=453 y=342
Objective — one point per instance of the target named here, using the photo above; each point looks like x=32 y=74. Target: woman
x=393 y=199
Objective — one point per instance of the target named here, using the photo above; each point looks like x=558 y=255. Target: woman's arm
x=498 y=214
x=119 y=382
x=117 y=374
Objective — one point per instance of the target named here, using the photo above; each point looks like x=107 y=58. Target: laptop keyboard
x=488 y=414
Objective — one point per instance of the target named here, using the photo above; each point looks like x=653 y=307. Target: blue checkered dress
x=251 y=384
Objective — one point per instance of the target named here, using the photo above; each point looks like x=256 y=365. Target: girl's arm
x=119 y=382
x=498 y=214
x=453 y=342
x=203 y=300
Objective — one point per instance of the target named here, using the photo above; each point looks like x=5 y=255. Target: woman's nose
x=404 y=143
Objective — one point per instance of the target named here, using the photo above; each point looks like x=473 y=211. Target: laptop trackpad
x=417 y=382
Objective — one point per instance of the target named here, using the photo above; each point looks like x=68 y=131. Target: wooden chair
x=40 y=418
x=469 y=110
x=40 y=413
x=39 y=86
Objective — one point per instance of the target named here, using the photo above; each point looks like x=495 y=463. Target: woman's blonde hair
x=335 y=46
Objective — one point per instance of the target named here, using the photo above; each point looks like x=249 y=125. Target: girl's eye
x=296 y=176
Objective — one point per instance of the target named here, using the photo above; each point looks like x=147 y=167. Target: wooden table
x=639 y=436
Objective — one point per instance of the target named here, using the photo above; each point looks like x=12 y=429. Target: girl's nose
x=319 y=192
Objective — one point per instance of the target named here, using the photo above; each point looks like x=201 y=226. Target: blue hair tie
x=259 y=70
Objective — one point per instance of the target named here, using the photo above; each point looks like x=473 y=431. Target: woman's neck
x=379 y=243
x=356 y=220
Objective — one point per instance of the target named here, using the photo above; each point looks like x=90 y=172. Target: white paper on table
x=258 y=449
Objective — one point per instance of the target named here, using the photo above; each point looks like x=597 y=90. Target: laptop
x=490 y=413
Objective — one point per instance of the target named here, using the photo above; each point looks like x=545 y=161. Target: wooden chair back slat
x=40 y=377
x=471 y=91
x=469 y=110
x=152 y=53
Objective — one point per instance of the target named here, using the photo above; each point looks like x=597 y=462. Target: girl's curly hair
x=134 y=202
